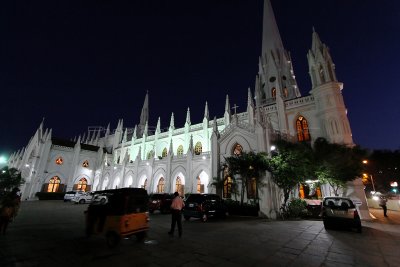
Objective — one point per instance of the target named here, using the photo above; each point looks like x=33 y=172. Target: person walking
x=382 y=203
x=176 y=211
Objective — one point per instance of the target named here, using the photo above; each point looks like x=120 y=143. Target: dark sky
x=86 y=63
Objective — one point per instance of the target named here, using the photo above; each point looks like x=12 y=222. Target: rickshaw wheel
x=113 y=239
x=141 y=236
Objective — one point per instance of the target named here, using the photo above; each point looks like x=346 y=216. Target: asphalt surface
x=51 y=233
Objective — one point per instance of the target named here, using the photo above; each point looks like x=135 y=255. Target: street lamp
x=372 y=179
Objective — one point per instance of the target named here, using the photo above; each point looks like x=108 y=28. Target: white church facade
x=185 y=159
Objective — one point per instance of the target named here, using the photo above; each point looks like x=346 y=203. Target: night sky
x=90 y=63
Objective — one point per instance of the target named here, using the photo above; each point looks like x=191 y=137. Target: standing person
x=382 y=203
x=176 y=210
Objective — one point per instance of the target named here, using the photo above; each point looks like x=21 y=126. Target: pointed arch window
x=198 y=148
x=160 y=185
x=322 y=74
x=59 y=161
x=179 y=186
x=144 y=185
x=200 y=186
x=273 y=92
x=285 y=92
x=237 y=150
x=179 y=152
x=150 y=154
x=85 y=164
x=164 y=152
x=303 y=133
x=54 y=184
x=82 y=185
x=227 y=187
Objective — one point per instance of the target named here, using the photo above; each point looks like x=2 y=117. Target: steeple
x=275 y=65
x=271 y=40
x=172 y=122
x=188 y=117
x=227 y=114
x=144 y=116
x=320 y=64
x=158 y=129
x=206 y=112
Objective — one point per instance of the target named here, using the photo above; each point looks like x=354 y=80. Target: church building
x=186 y=158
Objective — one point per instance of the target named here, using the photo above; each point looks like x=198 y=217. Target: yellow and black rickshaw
x=118 y=213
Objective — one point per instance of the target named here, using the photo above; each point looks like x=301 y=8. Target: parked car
x=161 y=202
x=100 y=197
x=204 y=206
x=83 y=197
x=340 y=211
x=69 y=196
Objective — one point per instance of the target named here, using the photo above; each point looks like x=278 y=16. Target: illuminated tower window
x=85 y=164
x=54 y=184
x=150 y=154
x=273 y=92
x=198 y=148
x=227 y=187
x=302 y=129
x=59 y=161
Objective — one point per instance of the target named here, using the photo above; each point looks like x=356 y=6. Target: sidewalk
x=387 y=224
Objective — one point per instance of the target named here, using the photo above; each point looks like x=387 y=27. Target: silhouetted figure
x=9 y=206
x=176 y=211
x=382 y=203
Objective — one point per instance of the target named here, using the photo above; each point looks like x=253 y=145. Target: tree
x=290 y=165
x=10 y=178
x=248 y=167
x=337 y=164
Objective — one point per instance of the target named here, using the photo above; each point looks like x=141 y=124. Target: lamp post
x=372 y=179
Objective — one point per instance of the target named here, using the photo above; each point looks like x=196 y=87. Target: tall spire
x=158 y=129
x=188 y=116
x=172 y=122
x=144 y=116
x=271 y=40
x=206 y=112
x=227 y=105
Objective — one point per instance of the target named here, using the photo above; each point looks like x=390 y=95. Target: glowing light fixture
x=3 y=159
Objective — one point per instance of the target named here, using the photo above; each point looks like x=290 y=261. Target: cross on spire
x=235 y=107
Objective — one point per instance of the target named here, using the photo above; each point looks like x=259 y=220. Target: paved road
x=51 y=233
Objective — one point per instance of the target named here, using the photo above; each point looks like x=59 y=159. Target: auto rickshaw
x=123 y=214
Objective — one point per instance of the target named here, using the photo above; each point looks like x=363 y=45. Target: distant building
x=185 y=159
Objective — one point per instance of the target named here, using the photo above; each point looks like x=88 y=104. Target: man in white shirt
x=176 y=211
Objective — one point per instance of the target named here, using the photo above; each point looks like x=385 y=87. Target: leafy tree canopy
x=10 y=178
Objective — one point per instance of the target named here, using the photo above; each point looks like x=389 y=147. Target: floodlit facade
x=185 y=159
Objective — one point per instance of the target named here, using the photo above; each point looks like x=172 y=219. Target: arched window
x=82 y=185
x=198 y=148
x=322 y=74
x=150 y=154
x=273 y=92
x=59 y=161
x=85 y=164
x=200 y=187
x=164 y=152
x=285 y=92
x=160 y=185
x=302 y=129
x=144 y=185
x=237 y=150
x=179 y=186
x=179 y=152
x=54 y=184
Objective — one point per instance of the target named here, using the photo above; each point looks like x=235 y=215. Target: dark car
x=204 y=206
x=340 y=212
x=161 y=202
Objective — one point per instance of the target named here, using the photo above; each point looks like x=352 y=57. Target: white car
x=83 y=197
x=70 y=195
